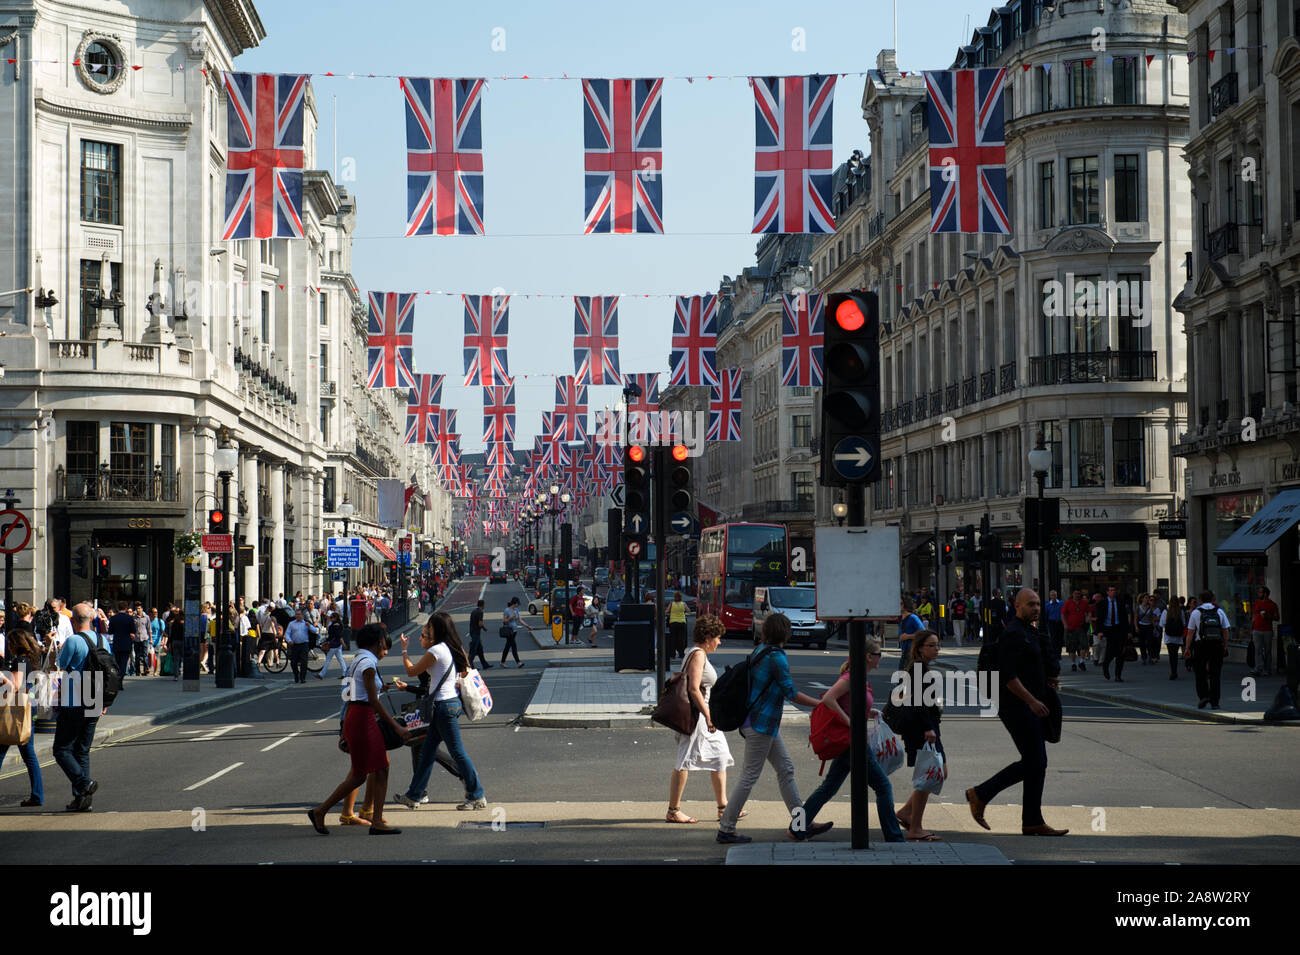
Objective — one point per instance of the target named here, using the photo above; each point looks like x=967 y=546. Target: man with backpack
x=1207 y=644
x=74 y=732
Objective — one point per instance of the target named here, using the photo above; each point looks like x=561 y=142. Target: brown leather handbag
x=675 y=708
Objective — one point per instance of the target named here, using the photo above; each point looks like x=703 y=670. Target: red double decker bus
x=482 y=565
x=734 y=559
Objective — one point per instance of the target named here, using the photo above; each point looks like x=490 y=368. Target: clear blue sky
x=532 y=134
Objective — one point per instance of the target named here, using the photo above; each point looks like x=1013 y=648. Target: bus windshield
x=756 y=542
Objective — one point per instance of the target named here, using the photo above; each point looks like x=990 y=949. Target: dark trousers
x=141 y=658
x=1149 y=643
x=1116 y=641
x=1207 y=665
x=123 y=660
x=476 y=648
x=74 y=734
x=1173 y=651
x=1057 y=630
x=1026 y=731
x=677 y=643
x=298 y=661
x=510 y=648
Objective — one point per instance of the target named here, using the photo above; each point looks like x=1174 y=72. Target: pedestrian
x=74 y=731
x=1055 y=628
x=23 y=654
x=140 y=641
x=1173 y=624
x=333 y=647
x=957 y=613
x=974 y=618
x=997 y=617
x=269 y=632
x=1074 y=616
x=121 y=634
x=446 y=663
x=476 y=636
x=157 y=628
x=176 y=642
x=510 y=621
x=837 y=700
x=298 y=636
x=677 y=625
x=907 y=627
x=1115 y=616
x=593 y=622
x=1026 y=669
x=770 y=672
x=918 y=725
x=1263 y=615
x=1207 y=644
x=705 y=748
x=364 y=739
x=1147 y=619
x=577 y=612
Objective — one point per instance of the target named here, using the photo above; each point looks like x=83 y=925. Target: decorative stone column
x=250 y=521
x=277 y=537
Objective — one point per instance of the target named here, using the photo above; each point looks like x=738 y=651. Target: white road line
x=332 y=716
x=222 y=730
x=267 y=749
x=218 y=775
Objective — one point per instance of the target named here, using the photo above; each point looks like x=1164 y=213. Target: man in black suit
x=121 y=628
x=1115 y=618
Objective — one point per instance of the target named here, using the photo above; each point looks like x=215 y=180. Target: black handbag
x=392 y=739
x=505 y=632
x=1052 y=721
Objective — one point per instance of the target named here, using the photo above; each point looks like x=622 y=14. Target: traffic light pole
x=858 y=794
x=661 y=458
x=225 y=650
x=9 y=501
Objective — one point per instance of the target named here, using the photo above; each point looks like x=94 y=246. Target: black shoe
x=1118 y=679
x=81 y=803
x=1214 y=706
x=731 y=838
x=30 y=801
x=91 y=788
x=1106 y=674
x=385 y=832
x=1203 y=704
x=1074 y=668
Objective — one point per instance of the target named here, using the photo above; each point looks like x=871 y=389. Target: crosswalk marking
x=267 y=749
x=217 y=775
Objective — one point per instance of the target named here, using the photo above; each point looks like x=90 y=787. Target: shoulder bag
x=675 y=709
x=426 y=704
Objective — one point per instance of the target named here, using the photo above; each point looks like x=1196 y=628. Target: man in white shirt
x=1207 y=645
x=297 y=635
x=64 y=621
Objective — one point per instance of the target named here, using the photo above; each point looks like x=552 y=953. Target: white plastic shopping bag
x=474 y=696
x=927 y=777
x=885 y=746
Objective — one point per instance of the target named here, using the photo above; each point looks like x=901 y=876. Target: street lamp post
x=226 y=460
x=346 y=510
x=1040 y=460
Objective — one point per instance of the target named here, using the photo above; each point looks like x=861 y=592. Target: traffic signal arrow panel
x=850 y=435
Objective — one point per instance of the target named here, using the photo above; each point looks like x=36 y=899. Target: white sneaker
x=424 y=800
x=407 y=801
x=479 y=803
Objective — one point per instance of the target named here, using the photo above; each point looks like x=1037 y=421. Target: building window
x=266 y=317
x=324 y=362
x=83 y=459
x=1083 y=82
x=91 y=286
x=328 y=503
x=1124 y=78
x=1083 y=190
x=1129 y=310
x=801 y=489
x=1089 y=320
x=101 y=182
x=1087 y=453
x=324 y=309
x=1052 y=441
x=130 y=459
x=1045 y=89
x=325 y=422
x=801 y=391
x=801 y=430
x=1126 y=188
x=1126 y=450
x=1047 y=194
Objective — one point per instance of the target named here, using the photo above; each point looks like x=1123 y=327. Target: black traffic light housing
x=964 y=541
x=990 y=549
x=104 y=567
x=217 y=521
x=636 y=488
x=81 y=562
x=676 y=484
x=850 y=433
x=947 y=553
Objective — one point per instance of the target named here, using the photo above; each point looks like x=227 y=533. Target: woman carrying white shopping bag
x=919 y=727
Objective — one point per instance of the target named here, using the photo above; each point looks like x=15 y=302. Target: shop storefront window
x=1233 y=586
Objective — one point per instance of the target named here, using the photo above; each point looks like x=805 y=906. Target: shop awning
x=1261 y=532
x=370 y=552
x=915 y=542
x=383 y=548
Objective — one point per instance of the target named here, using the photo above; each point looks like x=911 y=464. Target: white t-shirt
x=65 y=630
x=1194 y=621
x=442 y=662
x=356 y=687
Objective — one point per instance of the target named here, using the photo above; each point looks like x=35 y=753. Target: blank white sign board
x=857 y=573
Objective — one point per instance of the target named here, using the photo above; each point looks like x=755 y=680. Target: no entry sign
x=15 y=531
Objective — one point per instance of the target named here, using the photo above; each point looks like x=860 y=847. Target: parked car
x=609 y=612
x=799 y=604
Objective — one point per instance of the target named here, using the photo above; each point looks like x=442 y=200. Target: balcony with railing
x=128 y=358
x=875 y=226
x=988 y=384
x=127 y=487
x=887 y=420
x=903 y=414
x=950 y=397
x=1223 y=94
x=371 y=461
x=1086 y=367
x=1007 y=377
x=969 y=390
x=1224 y=240
x=922 y=407
x=936 y=402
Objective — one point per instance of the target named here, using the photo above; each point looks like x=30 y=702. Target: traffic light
x=105 y=567
x=81 y=562
x=217 y=522
x=947 y=553
x=990 y=549
x=675 y=487
x=964 y=539
x=636 y=488
x=850 y=435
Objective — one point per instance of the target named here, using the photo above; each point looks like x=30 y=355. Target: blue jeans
x=904 y=648
x=74 y=734
x=445 y=729
x=28 y=751
x=836 y=773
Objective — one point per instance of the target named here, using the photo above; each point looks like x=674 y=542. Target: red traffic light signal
x=848 y=315
x=217 y=521
x=947 y=553
x=636 y=454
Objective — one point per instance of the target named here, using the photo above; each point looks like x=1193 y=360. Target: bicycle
x=276 y=658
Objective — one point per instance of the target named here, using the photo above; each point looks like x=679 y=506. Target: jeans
x=140 y=658
x=298 y=660
x=1148 y=642
x=74 y=734
x=28 y=751
x=334 y=653
x=1207 y=664
x=876 y=779
x=1263 y=640
x=759 y=749
x=510 y=647
x=1174 y=651
x=476 y=648
x=1026 y=731
x=445 y=729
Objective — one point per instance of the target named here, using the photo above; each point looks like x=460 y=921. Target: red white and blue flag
x=802 y=334
x=570 y=419
x=595 y=339
x=499 y=414
x=643 y=409
x=724 y=408
x=391 y=328
x=693 y=360
x=555 y=455
x=444 y=156
x=264 y=155
x=624 y=155
x=422 y=407
x=487 y=323
x=575 y=472
x=793 y=160
x=446 y=449
x=968 y=152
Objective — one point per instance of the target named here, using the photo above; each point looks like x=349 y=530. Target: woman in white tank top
x=706 y=748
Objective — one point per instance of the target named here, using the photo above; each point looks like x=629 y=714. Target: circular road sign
x=852 y=458
x=15 y=531
x=634 y=548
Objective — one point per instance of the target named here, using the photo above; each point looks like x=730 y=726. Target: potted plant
x=187 y=546
x=1072 y=547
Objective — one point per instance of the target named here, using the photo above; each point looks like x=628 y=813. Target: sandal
x=365 y=815
x=723 y=809
x=346 y=820
x=673 y=811
x=924 y=837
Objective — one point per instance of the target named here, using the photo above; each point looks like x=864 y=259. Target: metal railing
x=1223 y=94
x=988 y=384
x=950 y=397
x=904 y=414
x=969 y=390
x=936 y=401
x=1082 y=367
x=1224 y=240
x=1007 y=377
x=107 y=484
x=922 y=405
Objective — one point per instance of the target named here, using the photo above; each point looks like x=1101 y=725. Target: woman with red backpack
x=836 y=700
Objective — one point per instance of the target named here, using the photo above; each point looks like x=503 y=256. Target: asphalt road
x=233 y=785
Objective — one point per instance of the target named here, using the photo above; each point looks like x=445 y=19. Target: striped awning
x=383 y=548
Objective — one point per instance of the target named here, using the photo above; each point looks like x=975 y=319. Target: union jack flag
x=446 y=449
x=624 y=155
x=555 y=454
x=487 y=322
x=643 y=410
x=392 y=324
x=499 y=454
x=444 y=156
x=793 y=160
x=570 y=418
x=595 y=340
x=422 y=410
x=264 y=155
x=575 y=472
x=499 y=414
x=802 y=333
x=968 y=152
x=724 y=408
x=695 y=336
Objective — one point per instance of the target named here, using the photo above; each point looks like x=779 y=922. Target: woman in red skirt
x=360 y=729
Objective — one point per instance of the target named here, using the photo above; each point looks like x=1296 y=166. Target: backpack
x=100 y=660
x=829 y=736
x=729 y=702
x=1211 y=627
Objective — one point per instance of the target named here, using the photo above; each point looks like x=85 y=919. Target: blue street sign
x=682 y=523
x=852 y=458
x=343 y=552
x=426 y=566
x=405 y=557
x=340 y=576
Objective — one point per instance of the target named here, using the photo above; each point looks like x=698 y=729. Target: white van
x=799 y=604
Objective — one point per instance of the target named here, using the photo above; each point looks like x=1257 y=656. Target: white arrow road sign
x=636 y=523
x=861 y=457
